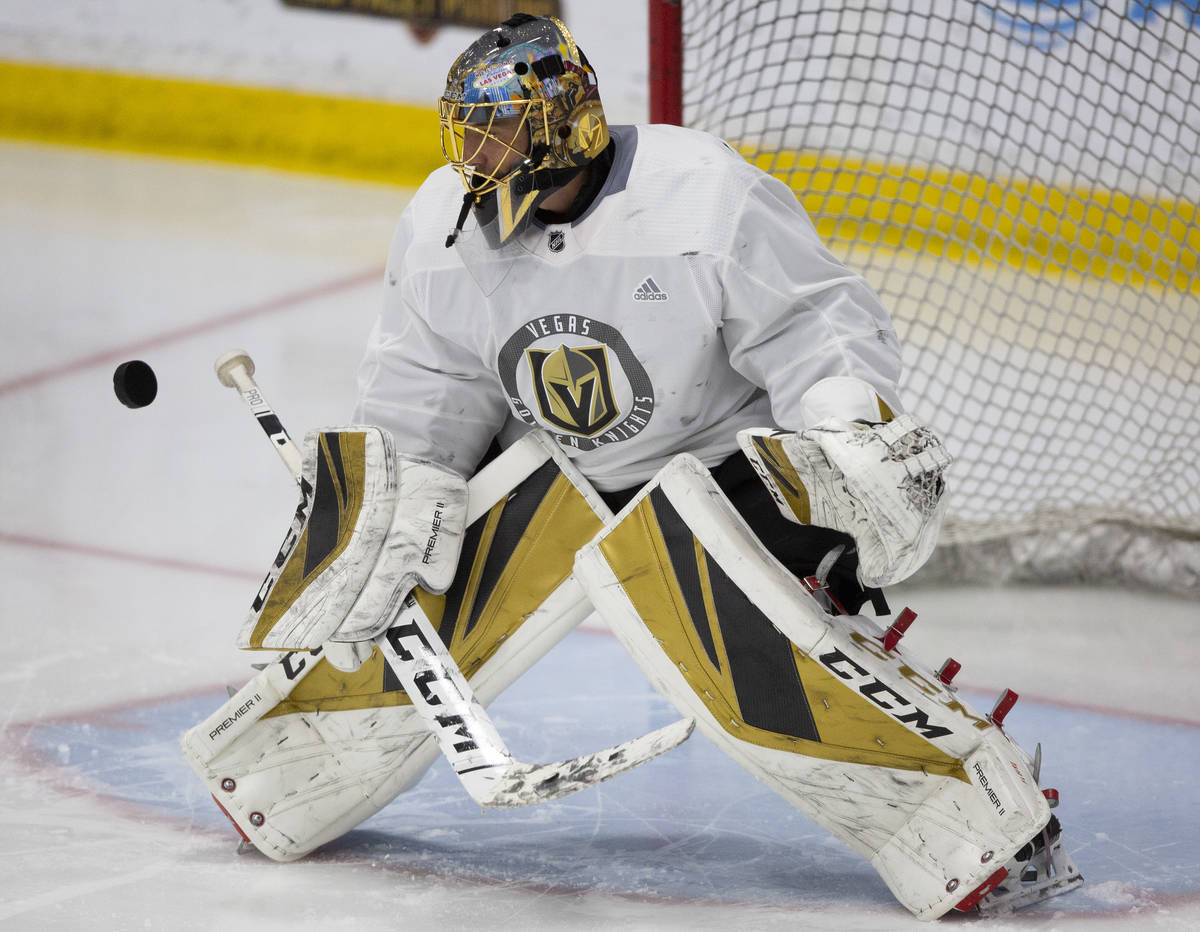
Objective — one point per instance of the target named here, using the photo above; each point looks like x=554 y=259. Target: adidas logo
x=649 y=291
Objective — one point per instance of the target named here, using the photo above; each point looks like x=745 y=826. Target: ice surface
x=133 y=540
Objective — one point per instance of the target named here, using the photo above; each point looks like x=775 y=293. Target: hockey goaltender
x=630 y=381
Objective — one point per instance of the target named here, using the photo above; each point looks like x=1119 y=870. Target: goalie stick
x=431 y=678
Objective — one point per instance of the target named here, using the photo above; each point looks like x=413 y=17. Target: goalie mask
x=521 y=116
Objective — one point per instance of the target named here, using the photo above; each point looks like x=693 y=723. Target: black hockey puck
x=135 y=384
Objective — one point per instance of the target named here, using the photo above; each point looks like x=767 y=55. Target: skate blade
x=1030 y=882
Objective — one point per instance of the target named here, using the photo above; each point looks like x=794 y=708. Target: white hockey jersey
x=691 y=300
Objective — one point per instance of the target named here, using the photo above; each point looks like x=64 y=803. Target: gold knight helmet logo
x=573 y=386
x=593 y=132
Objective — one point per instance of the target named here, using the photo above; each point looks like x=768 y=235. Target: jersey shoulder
x=438 y=200
x=682 y=190
x=420 y=237
x=683 y=146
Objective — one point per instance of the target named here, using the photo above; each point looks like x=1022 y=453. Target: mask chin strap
x=467 y=202
x=526 y=180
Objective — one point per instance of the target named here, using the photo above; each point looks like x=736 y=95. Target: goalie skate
x=1034 y=873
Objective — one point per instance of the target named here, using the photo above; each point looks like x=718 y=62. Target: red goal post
x=1020 y=182
x=666 y=62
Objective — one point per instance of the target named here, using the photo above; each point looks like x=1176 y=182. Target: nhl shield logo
x=557 y=240
x=574 y=388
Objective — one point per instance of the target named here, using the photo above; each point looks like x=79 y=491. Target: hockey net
x=1019 y=181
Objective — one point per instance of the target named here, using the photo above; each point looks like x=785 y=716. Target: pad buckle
x=893 y=634
x=814 y=585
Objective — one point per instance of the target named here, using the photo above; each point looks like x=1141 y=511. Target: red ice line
x=280 y=303
x=130 y=350
x=108 y=553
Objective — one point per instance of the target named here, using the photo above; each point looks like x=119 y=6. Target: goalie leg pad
x=306 y=751
x=867 y=744
x=329 y=752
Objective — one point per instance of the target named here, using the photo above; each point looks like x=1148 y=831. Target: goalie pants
x=799 y=547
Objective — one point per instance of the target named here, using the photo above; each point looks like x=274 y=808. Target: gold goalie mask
x=521 y=116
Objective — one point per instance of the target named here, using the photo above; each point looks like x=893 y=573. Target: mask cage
x=467 y=128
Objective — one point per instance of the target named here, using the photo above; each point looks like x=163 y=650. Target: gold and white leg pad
x=306 y=751
x=866 y=742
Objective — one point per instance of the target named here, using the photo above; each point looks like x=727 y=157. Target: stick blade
x=525 y=784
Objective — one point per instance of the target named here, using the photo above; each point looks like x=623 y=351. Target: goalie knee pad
x=307 y=750
x=866 y=742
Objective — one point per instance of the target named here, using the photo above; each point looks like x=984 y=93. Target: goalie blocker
x=869 y=744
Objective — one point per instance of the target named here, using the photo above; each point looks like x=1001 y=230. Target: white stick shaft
x=267 y=419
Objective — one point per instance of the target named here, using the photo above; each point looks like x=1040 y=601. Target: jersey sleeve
x=792 y=314
x=438 y=399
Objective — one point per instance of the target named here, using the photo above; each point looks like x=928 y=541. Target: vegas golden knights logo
x=574 y=388
x=576 y=377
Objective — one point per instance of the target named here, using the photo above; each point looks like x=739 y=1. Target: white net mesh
x=1019 y=180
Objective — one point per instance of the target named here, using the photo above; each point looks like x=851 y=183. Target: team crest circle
x=577 y=378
